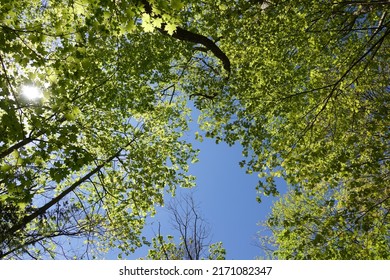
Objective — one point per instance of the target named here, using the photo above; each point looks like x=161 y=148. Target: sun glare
x=31 y=92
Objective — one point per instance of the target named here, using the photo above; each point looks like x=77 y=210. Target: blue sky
x=226 y=196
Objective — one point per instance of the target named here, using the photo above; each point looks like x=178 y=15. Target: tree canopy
x=92 y=157
x=302 y=85
x=322 y=224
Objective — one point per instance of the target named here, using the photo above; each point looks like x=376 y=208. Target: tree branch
x=40 y=211
x=188 y=36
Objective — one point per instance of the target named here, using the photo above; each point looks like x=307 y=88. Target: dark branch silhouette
x=42 y=210
x=188 y=36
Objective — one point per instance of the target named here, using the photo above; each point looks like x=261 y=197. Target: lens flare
x=31 y=92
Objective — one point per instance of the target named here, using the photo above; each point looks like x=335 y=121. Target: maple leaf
x=170 y=28
x=157 y=22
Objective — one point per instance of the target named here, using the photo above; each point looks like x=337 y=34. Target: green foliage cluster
x=308 y=99
x=321 y=225
x=169 y=249
x=302 y=85
x=311 y=105
x=92 y=158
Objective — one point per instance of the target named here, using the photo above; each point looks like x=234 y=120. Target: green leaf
x=177 y=4
x=170 y=28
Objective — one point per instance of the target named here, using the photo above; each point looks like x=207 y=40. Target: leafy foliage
x=308 y=98
x=92 y=158
x=302 y=85
x=308 y=94
x=168 y=249
x=322 y=224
